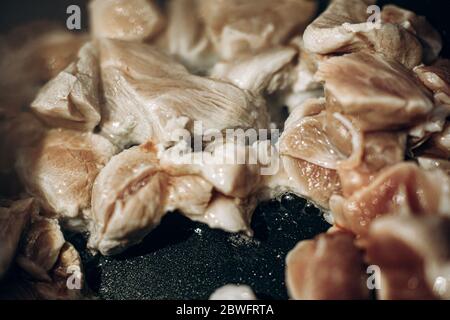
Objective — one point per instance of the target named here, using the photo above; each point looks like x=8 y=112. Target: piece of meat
x=185 y=36
x=431 y=125
x=149 y=96
x=131 y=195
x=419 y=26
x=310 y=181
x=71 y=99
x=59 y=172
x=229 y=214
x=436 y=78
x=139 y=186
x=265 y=72
x=307 y=139
x=14 y=219
x=402 y=188
x=232 y=168
x=436 y=146
x=381 y=150
x=233 y=292
x=344 y=27
x=17 y=131
x=31 y=55
x=40 y=248
x=435 y=152
x=379 y=93
x=65 y=281
x=329 y=267
x=132 y=20
x=67 y=277
x=238 y=27
x=413 y=256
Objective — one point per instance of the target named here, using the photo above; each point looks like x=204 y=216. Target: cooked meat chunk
x=233 y=292
x=71 y=99
x=238 y=27
x=419 y=26
x=185 y=36
x=436 y=78
x=32 y=55
x=40 y=249
x=131 y=20
x=403 y=188
x=344 y=27
x=413 y=255
x=16 y=132
x=149 y=96
x=379 y=93
x=14 y=220
x=329 y=267
x=60 y=171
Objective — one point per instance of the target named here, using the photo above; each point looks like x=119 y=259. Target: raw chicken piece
x=309 y=157
x=430 y=163
x=135 y=190
x=71 y=99
x=185 y=36
x=345 y=27
x=403 y=188
x=67 y=277
x=432 y=124
x=40 y=248
x=379 y=93
x=149 y=96
x=436 y=78
x=265 y=72
x=381 y=150
x=307 y=139
x=311 y=181
x=413 y=254
x=13 y=221
x=32 y=55
x=128 y=200
x=228 y=214
x=131 y=20
x=232 y=168
x=435 y=152
x=329 y=267
x=59 y=172
x=16 y=132
x=233 y=292
x=238 y=27
x=417 y=25
x=66 y=280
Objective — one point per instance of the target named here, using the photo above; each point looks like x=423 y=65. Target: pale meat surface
x=329 y=267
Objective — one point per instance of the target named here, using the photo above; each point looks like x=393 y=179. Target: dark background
x=182 y=259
